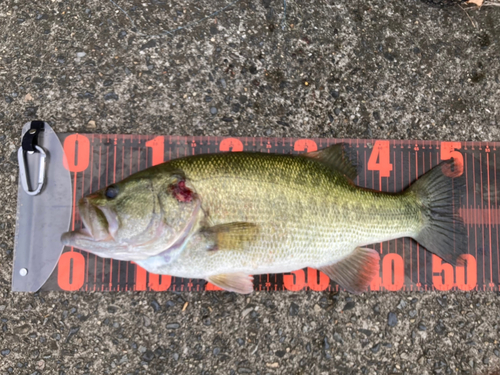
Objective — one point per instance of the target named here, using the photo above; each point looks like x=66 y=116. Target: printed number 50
x=466 y=275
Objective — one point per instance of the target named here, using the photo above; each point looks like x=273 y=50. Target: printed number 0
x=77 y=151
x=71 y=271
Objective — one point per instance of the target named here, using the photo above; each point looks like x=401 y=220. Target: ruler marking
x=474 y=212
x=497 y=222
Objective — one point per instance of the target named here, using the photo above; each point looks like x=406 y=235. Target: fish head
x=139 y=217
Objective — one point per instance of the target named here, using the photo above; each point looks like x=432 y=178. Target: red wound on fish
x=181 y=192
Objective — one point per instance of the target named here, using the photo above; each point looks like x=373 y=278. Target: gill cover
x=141 y=216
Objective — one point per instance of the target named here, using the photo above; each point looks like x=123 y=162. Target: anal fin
x=356 y=271
x=233 y=282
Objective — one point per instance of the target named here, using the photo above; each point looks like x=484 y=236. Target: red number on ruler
x=140 y=278
x=443 y=273
x=448 y=151
x=231 y=144
x=154 y=280
x=77 y=159
x=212 y=287
x=393 y=274
x=317 y=280
x=159 y=283
x=295 y=281
x=471 y=273
x=71 y=271
x=380 y=158
x=306 y=145
x=375 y=283
x=442 y=277
x=157 y=146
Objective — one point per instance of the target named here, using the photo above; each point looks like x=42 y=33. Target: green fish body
x=257 y=213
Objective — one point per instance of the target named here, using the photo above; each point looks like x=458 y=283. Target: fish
x=226 y=217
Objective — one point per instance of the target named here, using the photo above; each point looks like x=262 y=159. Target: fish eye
x=111 y=192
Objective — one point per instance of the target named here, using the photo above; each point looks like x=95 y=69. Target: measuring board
x=96 y=160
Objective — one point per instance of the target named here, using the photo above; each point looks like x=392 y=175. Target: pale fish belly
x=312 y=231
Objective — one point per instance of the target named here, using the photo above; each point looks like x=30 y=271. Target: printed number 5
x=448 y=151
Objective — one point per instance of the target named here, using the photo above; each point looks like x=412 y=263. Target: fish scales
x=307 y=214
x=224 y=217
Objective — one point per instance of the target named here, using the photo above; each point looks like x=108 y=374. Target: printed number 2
x=380 y=158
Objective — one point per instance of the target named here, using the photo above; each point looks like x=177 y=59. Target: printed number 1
x=157 y=146
x=380 y=159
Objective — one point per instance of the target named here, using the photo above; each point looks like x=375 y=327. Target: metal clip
x=30 y=147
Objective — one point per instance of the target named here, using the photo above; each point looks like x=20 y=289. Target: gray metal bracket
x=41 y=218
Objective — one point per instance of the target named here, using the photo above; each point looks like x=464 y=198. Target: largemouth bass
x=225 y=217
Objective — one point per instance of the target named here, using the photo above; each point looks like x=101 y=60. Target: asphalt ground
x=362 y=69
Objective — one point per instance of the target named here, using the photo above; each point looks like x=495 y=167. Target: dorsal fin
x=336 y=158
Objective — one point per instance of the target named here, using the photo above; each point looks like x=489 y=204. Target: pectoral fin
x=231 y=236
x=356 y=271
x=233 y=282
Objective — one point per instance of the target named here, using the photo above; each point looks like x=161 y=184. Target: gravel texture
x=344 y=68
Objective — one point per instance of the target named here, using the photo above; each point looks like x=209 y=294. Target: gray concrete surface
x=341 y=68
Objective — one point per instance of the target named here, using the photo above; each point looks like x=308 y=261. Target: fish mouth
x=99 y=224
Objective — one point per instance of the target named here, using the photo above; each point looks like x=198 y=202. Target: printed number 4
x=380 y=159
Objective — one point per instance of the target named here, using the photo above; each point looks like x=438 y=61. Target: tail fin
x=444 y=233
